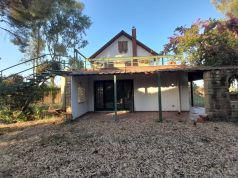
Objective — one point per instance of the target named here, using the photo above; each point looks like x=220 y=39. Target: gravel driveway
x=135 y=145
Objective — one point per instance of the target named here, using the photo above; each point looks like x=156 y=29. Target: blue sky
x=155 y=21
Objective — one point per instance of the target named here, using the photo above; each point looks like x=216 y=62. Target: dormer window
x=122 y=46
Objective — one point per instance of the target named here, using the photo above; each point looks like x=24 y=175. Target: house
x=129 y=73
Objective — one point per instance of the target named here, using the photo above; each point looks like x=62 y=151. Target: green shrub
x=6 y=115
x=9 y=116
x=37 y=112
x=33 y=112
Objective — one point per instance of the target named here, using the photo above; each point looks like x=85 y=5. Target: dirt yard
x=135 y=145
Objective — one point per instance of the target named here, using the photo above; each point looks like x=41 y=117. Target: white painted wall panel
x=112 y=50
x=78 y=109
x=146 y=91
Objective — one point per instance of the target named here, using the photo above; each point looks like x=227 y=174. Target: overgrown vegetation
x=228 y=7
x=207 y=42
x=39 y=28
x=17 y=99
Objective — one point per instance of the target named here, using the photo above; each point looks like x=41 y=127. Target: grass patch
x=198 y=100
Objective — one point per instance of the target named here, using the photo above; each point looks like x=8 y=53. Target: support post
x=179 y=92
x=115 y=96
x=159 y=97
x=191 y=91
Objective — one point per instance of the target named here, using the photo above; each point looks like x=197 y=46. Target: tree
x=228 y=7
x=19 y=16
x=209 y=42
x=54 y=26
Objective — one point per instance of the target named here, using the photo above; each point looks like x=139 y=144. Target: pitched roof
x=116 y=37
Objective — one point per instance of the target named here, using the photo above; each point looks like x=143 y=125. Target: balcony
x=139 y=61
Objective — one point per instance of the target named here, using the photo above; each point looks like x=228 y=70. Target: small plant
x=37 y=112
x=8 y=116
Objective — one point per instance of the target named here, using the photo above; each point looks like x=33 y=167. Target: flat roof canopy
x=194 y=72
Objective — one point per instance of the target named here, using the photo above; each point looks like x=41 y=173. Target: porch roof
x=149 y=69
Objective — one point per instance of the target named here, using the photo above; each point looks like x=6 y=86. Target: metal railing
x=63 y=64
x=116 y=62
x=140 y=61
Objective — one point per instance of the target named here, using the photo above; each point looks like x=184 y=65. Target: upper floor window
x=122 y=46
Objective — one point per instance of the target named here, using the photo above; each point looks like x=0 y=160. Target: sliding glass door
x=104 y=95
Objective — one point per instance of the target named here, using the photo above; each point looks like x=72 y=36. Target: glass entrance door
x=104 y=95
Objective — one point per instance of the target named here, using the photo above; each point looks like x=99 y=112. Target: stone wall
x=217 y=97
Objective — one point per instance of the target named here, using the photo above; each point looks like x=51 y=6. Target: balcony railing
x=139 y=61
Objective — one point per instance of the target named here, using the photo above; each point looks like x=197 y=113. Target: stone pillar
x=217 y=98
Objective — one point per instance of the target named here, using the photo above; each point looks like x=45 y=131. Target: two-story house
x=125 y=71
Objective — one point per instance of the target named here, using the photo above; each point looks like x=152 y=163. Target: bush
x=9 y=116
x=18 y=99
x=33 y=112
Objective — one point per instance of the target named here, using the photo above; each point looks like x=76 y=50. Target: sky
x=155 y=21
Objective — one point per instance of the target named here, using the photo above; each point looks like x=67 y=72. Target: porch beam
x=159 y=97
x=191 y=91
x=115 y=96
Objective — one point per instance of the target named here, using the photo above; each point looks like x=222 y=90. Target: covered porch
x=146 y=89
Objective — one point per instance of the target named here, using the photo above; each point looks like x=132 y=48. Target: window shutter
x=122 y=46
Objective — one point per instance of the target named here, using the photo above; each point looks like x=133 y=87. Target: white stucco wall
x=112 y=50
x=79 y=109
x=146 y=91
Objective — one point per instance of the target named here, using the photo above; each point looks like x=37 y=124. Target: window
x=122 y=46
x=81 y=94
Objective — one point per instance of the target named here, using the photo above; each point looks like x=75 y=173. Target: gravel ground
x=135 y=145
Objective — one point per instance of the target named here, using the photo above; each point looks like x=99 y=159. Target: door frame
x=132 y=95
